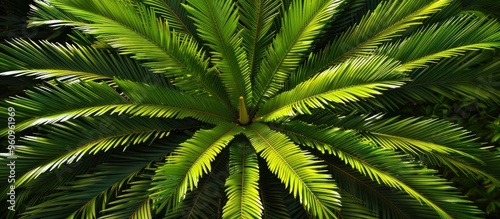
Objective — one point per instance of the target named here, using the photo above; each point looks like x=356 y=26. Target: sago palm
x=247 y=109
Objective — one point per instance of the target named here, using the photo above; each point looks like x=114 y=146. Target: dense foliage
x=250 y=109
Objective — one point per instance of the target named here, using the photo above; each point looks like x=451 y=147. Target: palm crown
x=248 y=109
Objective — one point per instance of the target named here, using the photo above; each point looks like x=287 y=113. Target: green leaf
x=256 y=17
x=251 y=109
x=50 y=104
x=137 y=31
x=176 y=104
x=350 y=81
x=271 y=191
x=388 y=202
x=461 y=77
x=446 y=39
x=353 y=207
x=299 y=171
x=175 y=14
x=108 y=132
x=301 y=24
x=89 y=193
x=206 y=201
x=386 y=22
x=385 y=167
x=43 y=13
x=434 y=141
x=133 y=203
x=242 y=184
x=188 y=163
x=45 y=60
x=217 y=23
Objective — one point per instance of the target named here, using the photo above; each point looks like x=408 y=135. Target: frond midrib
x=324 y=143
x=242 y=181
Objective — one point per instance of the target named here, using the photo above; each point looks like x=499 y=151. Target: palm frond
x=137 y=31
x=351 y=14
x=207 y=200
x=217 y=24
x=461 y=77
x=299 y=171
x=388 y=202
x=175 y=14
x=386 y=167
x=249 y=109
x=133 y=202
x=470 y=78
x=446 y=39
x=434 y=141
x=482 y=7
x=45 y=60
x=271 y=191
x=295 y=208
x=59 y=146
x=48 y=182
x=77 y=199
x=353 y=207
x=242 y=184
x=188 y=163
x=35 y=191
x=257 y=18
x=50 y=104
x=301 y=24
x=176 y=104
x=386 y=22
x=350 y=81
x=89 y=193
x=43 y=13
